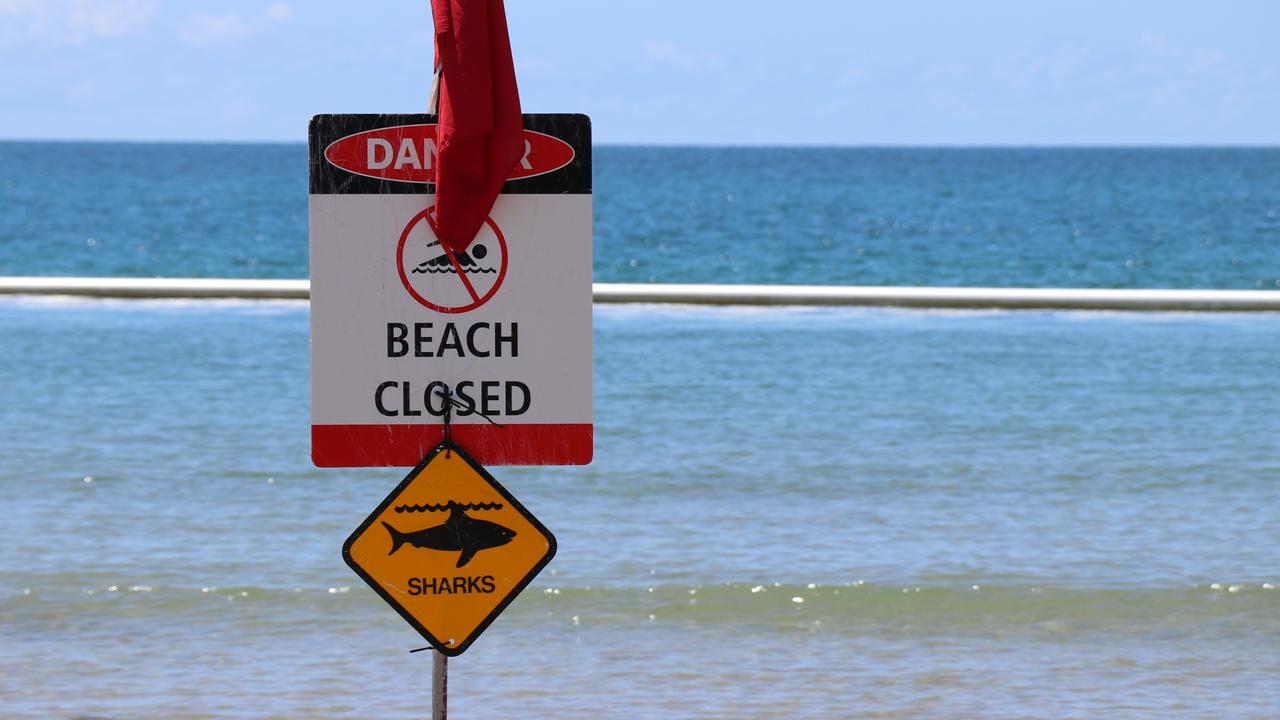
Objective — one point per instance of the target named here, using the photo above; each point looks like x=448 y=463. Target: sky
x=807 y=72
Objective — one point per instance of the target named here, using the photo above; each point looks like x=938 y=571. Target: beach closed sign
x=398 y=323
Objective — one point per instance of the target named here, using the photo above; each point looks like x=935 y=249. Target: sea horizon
x=1109 y=145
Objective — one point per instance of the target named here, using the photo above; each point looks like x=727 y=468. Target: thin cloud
x=280 y=13
x=72 y=22
x=109 y=19
x=19 y=7
x=214 y=30
x=1205 y=60
x=665 y=52
x=211 y=30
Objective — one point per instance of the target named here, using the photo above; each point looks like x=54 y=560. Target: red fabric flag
x=480 y=136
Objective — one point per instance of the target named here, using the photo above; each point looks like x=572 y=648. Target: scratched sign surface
x=396 y=318
x=449 y=549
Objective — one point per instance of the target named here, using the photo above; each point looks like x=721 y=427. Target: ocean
x=1137 y=217
x=818 y=513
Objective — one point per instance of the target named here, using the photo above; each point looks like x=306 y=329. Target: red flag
x=480 y=136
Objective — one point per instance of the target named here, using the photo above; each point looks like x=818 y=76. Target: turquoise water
x=792 y=512
x=1204 y=218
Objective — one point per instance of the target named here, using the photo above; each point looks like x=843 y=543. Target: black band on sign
x=342 y=147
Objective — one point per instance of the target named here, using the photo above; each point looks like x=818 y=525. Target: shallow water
x=792 y=513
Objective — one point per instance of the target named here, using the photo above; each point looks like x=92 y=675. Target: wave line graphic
x=429 y=507
x=469 y=271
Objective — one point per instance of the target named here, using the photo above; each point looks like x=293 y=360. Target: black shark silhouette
x=460 y=532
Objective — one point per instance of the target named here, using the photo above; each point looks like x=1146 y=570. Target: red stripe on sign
x=406 y=445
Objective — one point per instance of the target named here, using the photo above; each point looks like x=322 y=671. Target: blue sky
x=985 y=72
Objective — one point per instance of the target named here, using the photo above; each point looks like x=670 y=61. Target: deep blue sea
x=1148 y=218
x=817 y=513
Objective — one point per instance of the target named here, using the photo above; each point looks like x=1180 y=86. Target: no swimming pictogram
x=447 y=281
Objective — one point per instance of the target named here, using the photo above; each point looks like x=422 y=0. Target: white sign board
x=505 y=326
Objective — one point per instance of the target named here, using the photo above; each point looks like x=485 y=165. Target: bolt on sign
x=505 y=326
x=449 y=549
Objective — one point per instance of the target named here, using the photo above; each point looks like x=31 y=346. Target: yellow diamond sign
x=449 y=549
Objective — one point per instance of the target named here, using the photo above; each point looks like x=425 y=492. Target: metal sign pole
x=439 y=685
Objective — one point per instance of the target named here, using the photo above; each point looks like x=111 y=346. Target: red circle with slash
x=448 y=263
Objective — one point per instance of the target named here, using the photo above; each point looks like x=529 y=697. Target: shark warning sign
x=449 y=549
